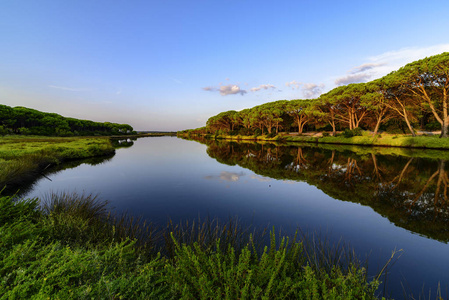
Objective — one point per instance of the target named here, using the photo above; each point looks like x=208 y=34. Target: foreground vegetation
x=413 y=98
x=69 y=246
x=22 y=159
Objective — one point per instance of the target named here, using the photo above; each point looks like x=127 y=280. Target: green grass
x=367 y=139
x=23 y=158
x=388 y=140
x=71 y=247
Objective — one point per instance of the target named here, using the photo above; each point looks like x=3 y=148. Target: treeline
x=415 y=97
x=27 y=121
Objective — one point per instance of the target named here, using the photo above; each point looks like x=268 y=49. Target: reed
x=205 y=234
x=75 y=248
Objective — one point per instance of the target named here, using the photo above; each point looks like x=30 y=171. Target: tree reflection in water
x=411 y=191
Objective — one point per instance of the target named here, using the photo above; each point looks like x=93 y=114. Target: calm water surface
x=376 y=203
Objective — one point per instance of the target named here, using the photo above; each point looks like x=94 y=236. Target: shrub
x=325 y=134
x=209 y=260
x=245 y=131
x=354 y=132
x=433 y=126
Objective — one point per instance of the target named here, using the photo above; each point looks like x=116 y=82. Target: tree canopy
x=27 y=121
x=414 y=97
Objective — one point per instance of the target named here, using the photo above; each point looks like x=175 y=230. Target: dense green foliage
x=413 y=97
x=27 y=121
x=71 y=248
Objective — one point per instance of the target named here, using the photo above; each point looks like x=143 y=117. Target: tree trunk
x=443 y=129
x=408 y=123
x=332 y=123
x=379 y=120
x=445 y=117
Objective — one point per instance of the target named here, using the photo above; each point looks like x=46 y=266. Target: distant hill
x=27 y=121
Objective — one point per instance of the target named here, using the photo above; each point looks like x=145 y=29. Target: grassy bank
x=384 y=140
x=70 y=247
x=366 y=139
x=23 y=158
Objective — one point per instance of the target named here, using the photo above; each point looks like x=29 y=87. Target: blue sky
x=170 y=65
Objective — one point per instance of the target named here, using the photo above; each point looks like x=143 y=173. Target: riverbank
x=366 y=139
x=69 y=246
x=23 y=158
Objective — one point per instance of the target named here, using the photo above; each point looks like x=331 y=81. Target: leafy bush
x=325 y=134
x=271 y=135
x=433 y=126
x=280 y=272
x=245 y=131
x=354 y=132
x=209 y=262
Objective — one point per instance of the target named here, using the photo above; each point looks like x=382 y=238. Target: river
x=374 y=199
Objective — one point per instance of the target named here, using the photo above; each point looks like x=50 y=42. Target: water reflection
x=412 y=192
x=226 y=176
x=27 y=184
x=122 y=143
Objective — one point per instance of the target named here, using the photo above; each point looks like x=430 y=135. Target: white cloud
x=231 y=89
x=209 y=88
x=404 y=56
x=353 y=78
x=263 y=86
x=225 y=90
x=380 y=65
x=312 y=90
x=293 y=84
x=365 y=67
x=309 y=90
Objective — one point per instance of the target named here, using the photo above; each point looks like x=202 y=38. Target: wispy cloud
x=263 y=87
x=176 y=80
x=312 y=90
x=309 y=90
x=406 y=55
x=225 y=90
x=226 y=176
x=231 y=89
x=210 y=89
x=260 y=178
x=64 y=88
x=353 y=78
x=365 y=67
x=293 y=84
x=382 y=64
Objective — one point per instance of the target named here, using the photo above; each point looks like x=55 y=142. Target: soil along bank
x=24 y=158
